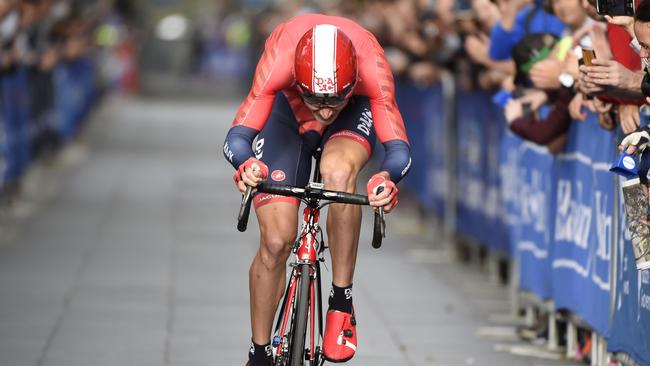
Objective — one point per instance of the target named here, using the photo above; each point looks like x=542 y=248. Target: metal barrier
x=558 y=218
x=38 y=110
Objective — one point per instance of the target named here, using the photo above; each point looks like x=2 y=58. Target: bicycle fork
x=308 y=251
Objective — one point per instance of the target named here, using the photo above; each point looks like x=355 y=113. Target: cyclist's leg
x=280 y=146
x=278 y=221
x=348 y=146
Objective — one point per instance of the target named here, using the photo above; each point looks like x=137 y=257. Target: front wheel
x=300 y=318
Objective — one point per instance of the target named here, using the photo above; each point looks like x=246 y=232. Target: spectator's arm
x=477 y=47
x=502 y=41
x=556 y=123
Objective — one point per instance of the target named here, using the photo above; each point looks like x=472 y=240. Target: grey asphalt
x=132 y=258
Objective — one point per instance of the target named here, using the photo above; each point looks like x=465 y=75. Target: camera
x=615 y=7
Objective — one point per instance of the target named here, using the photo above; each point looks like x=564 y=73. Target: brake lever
x=379 y=231
x=244 y=210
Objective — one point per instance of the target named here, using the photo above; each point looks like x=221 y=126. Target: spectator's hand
x=586 y=87
x=545 y=74
x=575 y=108
x=478 y=48
x=424 y=73
x=491 y=79
x=628 y=115
x=250 y=173
x=535 y=98
x=587 y=30
x=601 y=107
x=388 y=197
x=600 y=43
x=414 y=44
x=611 y=73
x=635 y=141
x=48 y=60
x=626 y=22
x=397 y=60
x=513 y=110
x=606 y=121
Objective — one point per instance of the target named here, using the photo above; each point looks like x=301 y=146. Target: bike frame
x=309 y=249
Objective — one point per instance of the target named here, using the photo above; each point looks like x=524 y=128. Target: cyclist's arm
x=377 y=83
x=273 y=73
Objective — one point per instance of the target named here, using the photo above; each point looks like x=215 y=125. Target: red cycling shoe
x=340 y=340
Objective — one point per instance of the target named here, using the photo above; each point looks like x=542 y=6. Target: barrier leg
x=603 y=357
x=595 y=343
x=515 y=303
x=493 y=267
x=571 y=340
x=553 y=339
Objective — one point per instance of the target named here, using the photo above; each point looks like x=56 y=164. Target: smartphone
x=587 y=56
x=615 y=7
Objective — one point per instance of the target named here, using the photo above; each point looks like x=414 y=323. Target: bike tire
x=300 y=318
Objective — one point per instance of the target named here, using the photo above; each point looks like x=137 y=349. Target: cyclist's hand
x=250 y=173
x=386 y=199
x=636 y=141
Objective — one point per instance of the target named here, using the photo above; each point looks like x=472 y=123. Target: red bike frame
x=308 y=249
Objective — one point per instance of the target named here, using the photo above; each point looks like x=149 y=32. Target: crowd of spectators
x=530 y=50
x=42 y=91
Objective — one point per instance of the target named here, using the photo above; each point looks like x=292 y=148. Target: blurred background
x=117 y=210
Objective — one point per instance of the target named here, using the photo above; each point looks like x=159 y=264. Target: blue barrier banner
x=472 y=151
x=479 y=203
x=421 y=109
x=15 y=107
x=497 y=237
x=439 y=156
x=583 y=224
x=73 y=95
x=536 y=218
x=3 y=143
x=509 y=174
x=527 y=192
x=630 y=329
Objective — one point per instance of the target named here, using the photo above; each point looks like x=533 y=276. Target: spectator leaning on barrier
x=615 y=75
x=522 y=114
x=639 y=27
x=561 y=70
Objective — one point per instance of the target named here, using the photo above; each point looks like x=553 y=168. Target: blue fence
x=559 y=215
x=33 y=104
x=630 y=326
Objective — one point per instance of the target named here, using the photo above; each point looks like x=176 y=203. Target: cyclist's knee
x=338 y=175
x=275 y=249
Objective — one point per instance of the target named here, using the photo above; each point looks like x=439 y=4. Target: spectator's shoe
x=340 y=340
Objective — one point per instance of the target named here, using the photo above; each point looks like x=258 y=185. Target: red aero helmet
x=325 y=63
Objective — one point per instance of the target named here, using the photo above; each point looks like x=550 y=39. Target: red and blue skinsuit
x=274 y=74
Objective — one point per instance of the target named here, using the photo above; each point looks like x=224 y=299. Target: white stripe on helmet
x=324 y=54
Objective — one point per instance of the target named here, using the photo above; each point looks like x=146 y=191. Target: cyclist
x=322 y=81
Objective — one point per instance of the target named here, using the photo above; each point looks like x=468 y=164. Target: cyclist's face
x=326 y=114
